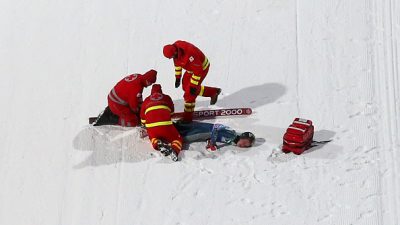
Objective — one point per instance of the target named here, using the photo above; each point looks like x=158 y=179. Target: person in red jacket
x=155 y=115
x=125 y=99
x=188 y=57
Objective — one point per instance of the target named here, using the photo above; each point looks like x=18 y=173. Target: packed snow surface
x=335 y=62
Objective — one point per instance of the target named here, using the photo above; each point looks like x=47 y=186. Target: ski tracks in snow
x=386 y=67
x=358 y=88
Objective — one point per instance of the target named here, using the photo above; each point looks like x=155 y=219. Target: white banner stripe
x=296 y=128
x=298 y=122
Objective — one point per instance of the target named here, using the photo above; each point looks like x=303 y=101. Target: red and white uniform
x=191 y=59
x=196 y=64
x=155 y=114
x=125 y=98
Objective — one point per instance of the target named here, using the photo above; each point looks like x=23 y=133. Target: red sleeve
x=135 y=96
x=142 y=110
x=193 y=58
x=187 y=49
x=170 y=103
x=134 y=104
x=178 y=70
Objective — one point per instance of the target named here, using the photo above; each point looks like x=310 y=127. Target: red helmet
x=169 y=51
x=150 y=77
x=156 y=88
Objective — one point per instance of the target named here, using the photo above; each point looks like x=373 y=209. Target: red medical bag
x=298 y=136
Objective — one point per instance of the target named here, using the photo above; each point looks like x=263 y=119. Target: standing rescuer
x=196 y=65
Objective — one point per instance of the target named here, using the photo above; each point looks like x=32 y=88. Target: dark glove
x=177 y=82
x=193 y=91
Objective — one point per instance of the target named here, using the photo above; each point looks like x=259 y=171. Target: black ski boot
x=214 y=98
x=166 y=150
x=106 y=118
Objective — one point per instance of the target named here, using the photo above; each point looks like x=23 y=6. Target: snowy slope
x=335 y=62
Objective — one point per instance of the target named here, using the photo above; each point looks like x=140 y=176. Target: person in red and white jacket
x=155 y=115
x=125 y=99
x=188 y=57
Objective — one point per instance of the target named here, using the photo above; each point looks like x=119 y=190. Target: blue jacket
x=199 y=131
